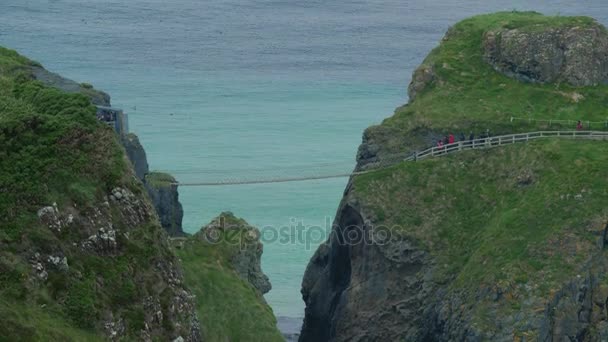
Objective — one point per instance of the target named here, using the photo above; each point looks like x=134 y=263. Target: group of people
x=450 y=138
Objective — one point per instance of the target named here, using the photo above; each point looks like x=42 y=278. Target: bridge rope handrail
x=501 y=140
x=436 y=151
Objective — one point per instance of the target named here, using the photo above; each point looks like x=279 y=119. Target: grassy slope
x=52 y=149
x=229 y=307
x=468 y=209
x=45 y=140
x=470 y=94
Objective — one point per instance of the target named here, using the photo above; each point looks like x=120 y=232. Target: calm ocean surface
x=251 y=89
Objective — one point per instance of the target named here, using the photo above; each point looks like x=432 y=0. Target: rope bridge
x=437 y=151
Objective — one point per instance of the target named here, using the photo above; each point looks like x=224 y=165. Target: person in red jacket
x=451 y=139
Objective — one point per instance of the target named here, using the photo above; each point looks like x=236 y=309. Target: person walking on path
x=451 y=139
x=579 y=125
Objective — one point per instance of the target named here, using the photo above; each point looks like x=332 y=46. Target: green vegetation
x=522 y=219
x=230 y=307
x=522 y=214
x=468 y=93
x=53 y=150
x=160 y=179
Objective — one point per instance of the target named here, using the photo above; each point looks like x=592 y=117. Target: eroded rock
x=573 y=55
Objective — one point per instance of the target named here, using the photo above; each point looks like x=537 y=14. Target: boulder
x=574 y=55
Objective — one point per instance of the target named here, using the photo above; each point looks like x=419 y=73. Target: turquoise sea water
x=250 y=89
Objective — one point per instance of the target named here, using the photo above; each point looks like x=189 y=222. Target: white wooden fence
x=504 y=140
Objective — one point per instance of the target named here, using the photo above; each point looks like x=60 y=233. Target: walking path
x=481 y=143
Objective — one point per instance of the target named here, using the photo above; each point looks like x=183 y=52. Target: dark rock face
x=385 y=291
x=573 y=55
x=370 y=290
x=165 y=199
x=423 y=77
x=248 y=265
x=137 y=155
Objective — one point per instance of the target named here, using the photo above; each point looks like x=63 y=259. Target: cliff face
x=82 y=254
x=497 y=245
x=162 y=189
x=136 y=154
x=164 y=198
x=550 y=55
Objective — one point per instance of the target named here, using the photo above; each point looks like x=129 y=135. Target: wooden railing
x=501 y=140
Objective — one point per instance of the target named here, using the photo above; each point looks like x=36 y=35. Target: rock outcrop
x=109 y=230
x=247 y=249
x=222 y=266
x=165 y=196
x=574 y=55
x=136 y=154
x=162 y=189
x=82 y=253
x=409 y=259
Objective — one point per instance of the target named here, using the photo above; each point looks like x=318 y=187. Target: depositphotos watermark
x=297 y=232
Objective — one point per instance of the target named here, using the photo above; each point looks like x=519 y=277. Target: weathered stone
x=423 y=77
x=136 y=154
x=573 y=55
x=168 y=207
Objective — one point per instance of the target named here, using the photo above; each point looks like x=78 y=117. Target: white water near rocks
x=217 y=88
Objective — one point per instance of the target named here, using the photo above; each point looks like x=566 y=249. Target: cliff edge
x=503 y=244
x=82 y=254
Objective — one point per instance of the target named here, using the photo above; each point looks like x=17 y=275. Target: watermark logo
x=298 y=233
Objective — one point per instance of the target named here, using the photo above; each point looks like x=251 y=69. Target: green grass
x=160 y=179
x=230 y=308
x=486 y=228
x=30 y=323
x=54 y=150
x=469 y=94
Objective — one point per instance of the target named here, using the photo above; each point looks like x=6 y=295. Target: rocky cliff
x=162 y=190
x=136 y=154
x=506 y=244
x=222 y=263
x=82 y=254
x=164 y=198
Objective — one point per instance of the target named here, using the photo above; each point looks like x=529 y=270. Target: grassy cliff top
x=466 y=93
x=160 y=179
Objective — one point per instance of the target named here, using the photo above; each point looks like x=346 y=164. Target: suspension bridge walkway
x=437 y=151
